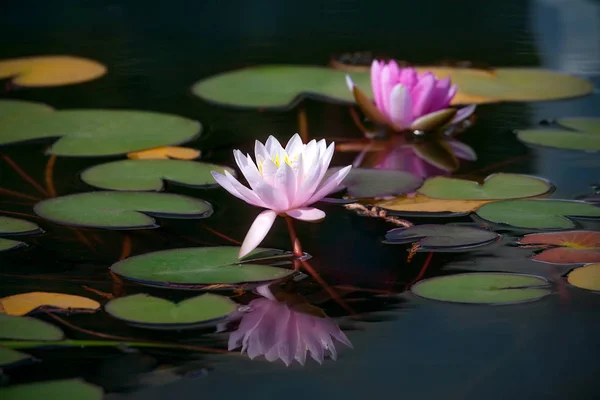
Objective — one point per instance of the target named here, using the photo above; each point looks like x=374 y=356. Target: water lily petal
x=439 y=98
x=260 y=152
x=272 y=197
x=285 y=185
x=259 y=229
x=401 y=106
x=386 y=90
x=248 y=168
x=307 y=214
x=294 y=146
x=330 y=184
x=451 y=93
x=269 y=169
x=421 y=95
x=461 y=150
x=289 y=344
x=248 y=196
x=463 y=113
x=273 y=146
x=409 y=78
x=375 y=83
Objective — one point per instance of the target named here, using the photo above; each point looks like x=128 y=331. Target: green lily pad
x=373 y=183
x=196 y=267
x=14 y=108
x=9 y=357
x=431 y=237
x=483 y=288
x=71 y=389
x=99 y=132
x=145 y=311
x=537 y=214
x=151 y=174
x=15 y=226
x=495 y=187
x=580 y=134
x=278 y=86
x=120 y=210
x=27 y=328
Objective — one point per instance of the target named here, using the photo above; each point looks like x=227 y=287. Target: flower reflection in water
x=286 y=330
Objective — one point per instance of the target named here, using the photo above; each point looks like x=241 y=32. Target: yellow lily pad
x=24 y=303
x=420 y=204
x=167 y=152
x=587 y=277
x=50 y=70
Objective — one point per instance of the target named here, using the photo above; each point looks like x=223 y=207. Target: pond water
x=403 y=345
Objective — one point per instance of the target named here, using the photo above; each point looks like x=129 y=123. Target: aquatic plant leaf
x=151 y=174
x=99 y=132
x=71 y=389
x=151 y=312
x=14 y=108
x=372 y=182
x=483 y=288
x=120 y=210
x=580 y=134
x=58 y=70
x=10 y=357
x=195 y=267
x=15 y=226
x=165 y=153
x=537 y=213
x=24 y=303
x=431 y=237
x=278 y=86
x=27 y=328
x=574 y=247
x=495 y=187
x=586 y=277
x=420 y=205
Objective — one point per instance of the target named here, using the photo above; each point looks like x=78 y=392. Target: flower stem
x=296 y=246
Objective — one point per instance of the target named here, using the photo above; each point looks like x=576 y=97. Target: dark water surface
x=403 y=346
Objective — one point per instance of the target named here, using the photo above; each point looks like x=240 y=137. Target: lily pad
x=9 y=357
x=15 y=226
x=576 y=134
x=423 y=206
x=150 y=174
x=27 y=328
x=373 y=183
x=165 y=153
x=120 y=210
x=571 y=247
x=432 y=237
x=14 y=108
x=146 y=311
x=24 y=303
x=50 y=70
x=72 y=389
x=483 y=288
x=277 y=86
x=587 y=277
x=99 y=132
x=196 y=267
x=495 y=187
x=537 y=214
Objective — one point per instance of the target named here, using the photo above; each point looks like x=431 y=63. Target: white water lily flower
x=284 y=181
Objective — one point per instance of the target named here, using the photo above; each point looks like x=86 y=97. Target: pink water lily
x=277 y=331
x=285 y=181
x=407 y=100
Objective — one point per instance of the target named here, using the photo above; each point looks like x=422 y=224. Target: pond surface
x=403 y=345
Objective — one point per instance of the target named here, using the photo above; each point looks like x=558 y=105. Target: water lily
x=285 y=181
x=277 y=330
x=407 y=100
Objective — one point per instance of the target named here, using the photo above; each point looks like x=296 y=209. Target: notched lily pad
x=587 y=277
x=151 y=174
x=99 y=132
x=120 y=210
x=564 y=248
x=15 y=226
x=483 y=288
x=72 y=389
x=15 y=108
x=25 y=303
x=27 y=328
x=10 y=357
x=495 y=187
x=145 y=311
x=373 y=183
x=568 y=133
x=432 y=237
x=198 y=267
x=537 y=214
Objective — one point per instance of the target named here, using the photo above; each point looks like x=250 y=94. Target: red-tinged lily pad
x=431 y=237
x=570 y=247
